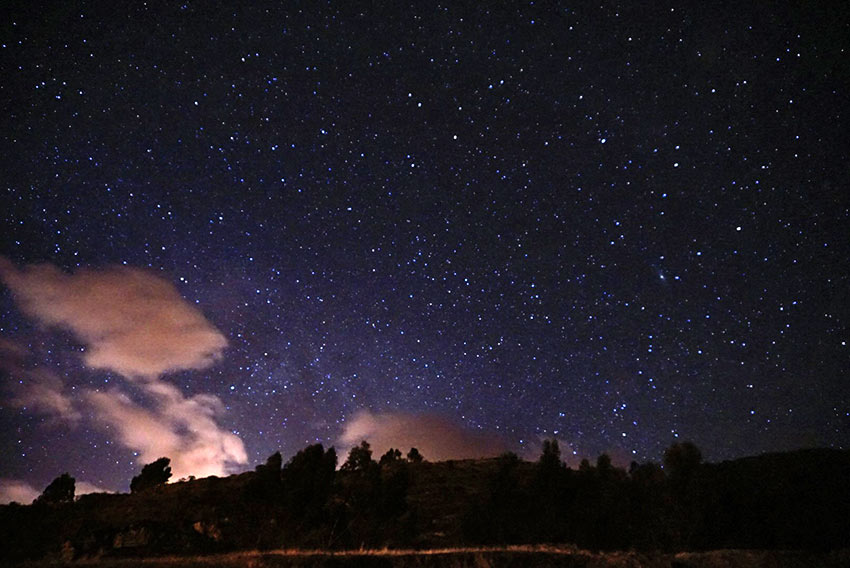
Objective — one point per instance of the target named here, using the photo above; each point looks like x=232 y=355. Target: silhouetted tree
x=359 y=458
x=60 y=490
x=357 y=508
x=502 y=517
x=648 y=513
x=274 y=463
x=392 y=456
x=270 y=469
x=307 y=481
x=413 y=456
x=604 y=468
x=153 y=474
x=392 y=493
x=550 y=495
x=266 y=485
x=550 y=460
x=681 y=462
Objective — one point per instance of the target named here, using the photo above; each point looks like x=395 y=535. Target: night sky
x=229 y=230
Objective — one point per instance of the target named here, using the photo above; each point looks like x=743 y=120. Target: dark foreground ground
x=492 y=512
x=520 y=557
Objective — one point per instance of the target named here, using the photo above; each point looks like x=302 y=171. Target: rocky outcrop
x=132 y=538
x=209 y=530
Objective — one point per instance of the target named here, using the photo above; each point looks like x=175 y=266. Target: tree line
x=793 y=500
x=796 y=500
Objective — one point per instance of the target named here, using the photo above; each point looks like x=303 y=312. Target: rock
x=132 y=538
x=209 y=530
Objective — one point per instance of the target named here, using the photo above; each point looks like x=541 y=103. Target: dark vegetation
x=798 y=500
x=60 y=490
x=153 y=474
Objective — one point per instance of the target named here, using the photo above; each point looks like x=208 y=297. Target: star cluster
x=615 y=224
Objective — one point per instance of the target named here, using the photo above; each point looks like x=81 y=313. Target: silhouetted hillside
x=783 y=500
x=797 y=500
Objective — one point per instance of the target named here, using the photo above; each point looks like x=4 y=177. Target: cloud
x=34 y=389
x=139 y=429
x=18 y=491
x=84 y=488
x=131 y=320
x=43 y=393
x=436 y=437
x=183 y=429
x=135 y=323
x=22 y=492
x=13 y=354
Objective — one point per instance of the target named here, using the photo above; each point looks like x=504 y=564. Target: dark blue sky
x=621 y=225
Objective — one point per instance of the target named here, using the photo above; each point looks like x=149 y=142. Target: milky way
x=229 y=230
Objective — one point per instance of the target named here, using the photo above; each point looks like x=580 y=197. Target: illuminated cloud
x=12 y=354
x=435 y=437
x=139 y=429
x=18 y=491
x=43 y=393
x=32 y=388
x=131 y=320
x=84 y=488
x=134 y=323
x=183 y=429
x=24 y=493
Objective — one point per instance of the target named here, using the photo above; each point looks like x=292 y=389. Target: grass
x=536 y=556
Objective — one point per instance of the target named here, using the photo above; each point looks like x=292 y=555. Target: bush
x=154 y=474
x=60 y=490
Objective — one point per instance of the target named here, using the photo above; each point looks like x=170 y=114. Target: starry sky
x=228 y=230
